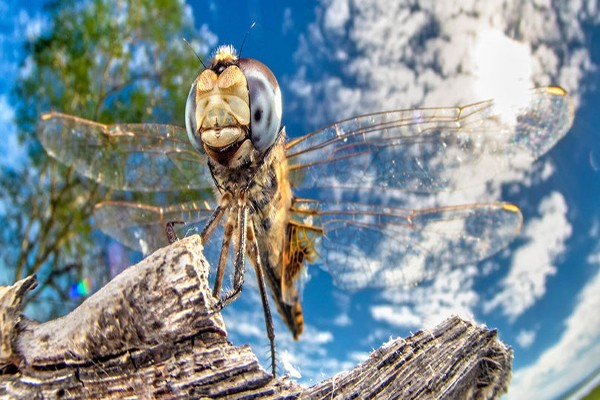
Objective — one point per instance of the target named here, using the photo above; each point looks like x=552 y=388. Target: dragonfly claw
x=170 y=231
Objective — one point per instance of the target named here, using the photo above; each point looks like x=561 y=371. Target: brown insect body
x=247 y=177
x=269 y=196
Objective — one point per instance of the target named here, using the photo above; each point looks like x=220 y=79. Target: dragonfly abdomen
x=271 y=198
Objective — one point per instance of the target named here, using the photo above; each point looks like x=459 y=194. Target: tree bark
x=150 y=333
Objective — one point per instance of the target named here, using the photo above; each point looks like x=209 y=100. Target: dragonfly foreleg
x=216 y=216
x=254 y=256
x=226 y=244
x=208 y=228
x=239 y=267
x=170 y=231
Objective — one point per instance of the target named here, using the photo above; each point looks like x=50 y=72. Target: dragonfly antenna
x=194 y=51
x=246 y=36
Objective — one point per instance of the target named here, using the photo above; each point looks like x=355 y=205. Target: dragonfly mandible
x=235 y=144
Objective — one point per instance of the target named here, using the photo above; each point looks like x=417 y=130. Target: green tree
x=105 y=60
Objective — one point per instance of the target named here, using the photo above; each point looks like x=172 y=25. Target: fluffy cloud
x=366 y=57
x=12 y=152
x=360 y=57
x=427 y=305
x=525 y=338
x=534 y=262
x=572 y=358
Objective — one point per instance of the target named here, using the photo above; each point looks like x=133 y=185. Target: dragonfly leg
x=216 y=216
x=239 y=267
x=170 y=230
x=254 y=256
x=210 y=225
x=226 y=244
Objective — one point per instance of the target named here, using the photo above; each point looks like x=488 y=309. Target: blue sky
x=335 y=59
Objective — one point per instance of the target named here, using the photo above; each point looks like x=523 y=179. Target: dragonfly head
x=233 y=108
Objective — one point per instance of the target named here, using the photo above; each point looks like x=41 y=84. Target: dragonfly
x=332 y=197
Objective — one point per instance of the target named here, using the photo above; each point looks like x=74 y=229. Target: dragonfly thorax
x=248 y=170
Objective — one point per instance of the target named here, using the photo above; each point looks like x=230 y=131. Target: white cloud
x=525 y=338
x=247 y=329
x=394 y=54
x=24 y=27
x=396 y=315
x=337 y=15
x=206 y=42
x=11 y=151
x=390 y=55
x=575 y=355
x=319 y=338
x=358 y=356
x=427 y=305
x=288 y=21
x=30 y=27
x=594 y=258
x=289 y=362
x=310 y=356
x=492 y=51
x=342 y=320
x=7 y=113
x=534 y=262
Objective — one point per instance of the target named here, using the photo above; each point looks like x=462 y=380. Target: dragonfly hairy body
x=258 y=197
x=235 y=143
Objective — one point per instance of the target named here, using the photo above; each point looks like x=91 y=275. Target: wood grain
x=150 y=333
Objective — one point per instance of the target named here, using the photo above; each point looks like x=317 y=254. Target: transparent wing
x=430 y=150
x=362 y=245
x=142 y=227
x=135 y=157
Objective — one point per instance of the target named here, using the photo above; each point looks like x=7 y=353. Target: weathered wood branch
x=149 y=333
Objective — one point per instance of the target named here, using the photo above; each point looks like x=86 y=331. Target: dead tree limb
x=149 y=334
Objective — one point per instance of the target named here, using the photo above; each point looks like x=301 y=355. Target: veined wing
x=364 y=245
x=430 y=150
x=142 y=227
x=134 y=157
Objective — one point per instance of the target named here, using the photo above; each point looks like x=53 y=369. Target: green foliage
x=105 y=60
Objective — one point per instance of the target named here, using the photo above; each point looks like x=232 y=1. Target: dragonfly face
x=233 y=114
x=233 y=126
x=233 y=109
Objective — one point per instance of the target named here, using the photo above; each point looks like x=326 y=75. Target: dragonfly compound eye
x=265 y=103
x=191 y=125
